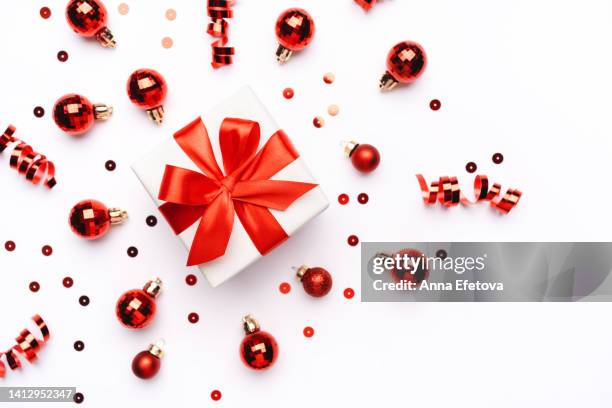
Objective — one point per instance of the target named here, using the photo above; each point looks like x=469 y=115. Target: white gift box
x=241 y=252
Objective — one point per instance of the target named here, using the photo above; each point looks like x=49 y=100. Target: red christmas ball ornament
x=136 y=308
x=295 y=29
x=147 y=363
x=88 y=19
x=410 y=265
x=258 y=349
x=406 y=62
x=91 y=219
x=317 y=281
x=147 y=89
x=364 y=157
x=75 y=115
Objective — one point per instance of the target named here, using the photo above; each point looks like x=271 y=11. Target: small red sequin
x=110 y=165
x=151 y=220
x=435 y=104
x=308 y=331
x=132 y=252
x=79 y=345
x=67 y=282
x=215 y=395
x=84 y=300
x=349 y=293
x=39 y=112
x=363 y=198
x=193 y=318
x=191 y=280
x=34 y=286
x=441 y=253
x=284 y=288
x=45 y=12
x=343 y=199
x=9 y=246
x=47 y=250
x=498 y=158
x=329 y=78
x=78 y=398
x=62 y=56
x=318 y=122
x=288 y=93
x=471 y=167
x=353 y=240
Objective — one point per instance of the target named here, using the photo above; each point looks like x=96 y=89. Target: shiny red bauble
x=364 y=157
x=317 y=282
x=412 y=266
x=295 y=29
x=88 y=19
x=75 y=114
x=91 y=219
x=259 y=349
x=136 y=308
x=406 y=62
x=147 y=89
x=147 y=363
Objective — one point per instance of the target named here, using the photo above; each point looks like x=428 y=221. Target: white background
x=530 y=79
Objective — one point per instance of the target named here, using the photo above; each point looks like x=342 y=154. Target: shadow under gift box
x=241 y=252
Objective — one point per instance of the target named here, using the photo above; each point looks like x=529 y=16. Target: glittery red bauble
x=411 y=272
x=89 y=219
x=295 y=29
x=86 y=17
x=317 y=282
x=145 y=365
x=135 y=309
x=365 y=158
x=406 y=61
x=147 y=88
x=259 y=350
x=73 y=114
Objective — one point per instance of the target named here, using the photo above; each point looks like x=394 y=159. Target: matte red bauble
x=406 y=62
x=295 y=29
x=258 y=349
x=88 y=19
x=364 y=157
x=409 y=270
x=136 y=308
x=147 y=363
x=75 y=115
x=317 y=281
x=91 y=219
x=147 y=89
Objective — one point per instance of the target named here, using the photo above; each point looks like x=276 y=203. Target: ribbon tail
x=179 y=216
x=261 y=226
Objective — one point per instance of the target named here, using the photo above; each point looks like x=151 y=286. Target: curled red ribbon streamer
x=218 y=11
x=27 y=345
x=246 y=189
x=366 y=4
x=33 y=165
x=446 y=191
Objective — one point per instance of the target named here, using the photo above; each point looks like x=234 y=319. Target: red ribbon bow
x=213 y=197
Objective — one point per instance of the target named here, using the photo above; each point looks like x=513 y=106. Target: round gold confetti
x=167 y=42
x=124 y=8
x=171 y=14
x=333 y=110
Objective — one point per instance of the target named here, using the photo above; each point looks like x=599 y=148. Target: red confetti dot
x=471 y=167
x=498 y=158
x=62 y=56
x=191 y=279
x=353 y=240
x=363 y=198
x=435 y=104
x=9 y=246
x=78 y=398
x=132 y=252
x=47 y=250
x=39 y=112
x=79 y=345
x=67 y=282
x=308 y=331
x=215 y=395
x=349 y=293
x=151 y=220
x=318 y=122
x=45 y=12
x=110 y=165
x=84 y=300
x=193 y=317
x=442 y=254
x=343 y=199
x=284 y=288
x=34 y=286
x=288 y=93
x=329 y=78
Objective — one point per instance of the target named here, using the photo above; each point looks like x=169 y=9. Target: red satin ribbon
x=27 y=345
x=366 y=4
x=446 y=191
x=218 y=11
x=33 y=165
x=245 y=190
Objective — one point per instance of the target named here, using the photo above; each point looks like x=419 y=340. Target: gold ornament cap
x=102 y=111
x=117 y=215
x=299 y=272
x=106 y=38
x=157 y=348
x=387 y=82
x=156 y=114
x=153 y=287
x=250 y=324
x=349 y=147
x=283 y=54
